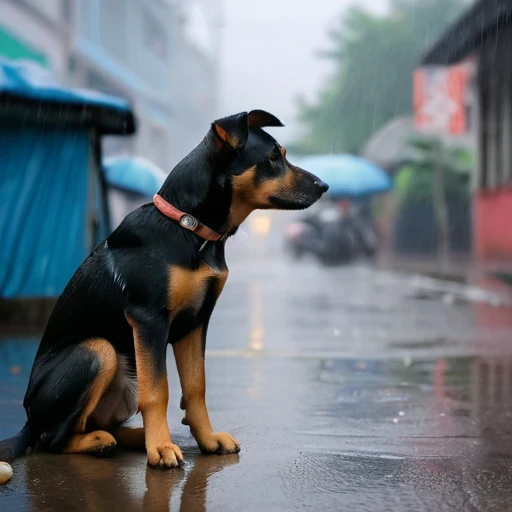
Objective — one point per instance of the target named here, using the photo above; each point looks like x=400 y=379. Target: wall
x=493 y=224
x=24 y=23
x=124 y=48
x=51 y=9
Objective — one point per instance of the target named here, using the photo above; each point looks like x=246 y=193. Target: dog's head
x=236 y=169
x=261 y=176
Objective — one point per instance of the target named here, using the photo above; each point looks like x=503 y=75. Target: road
x=348 y=388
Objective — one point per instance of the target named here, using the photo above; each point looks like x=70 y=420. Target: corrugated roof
x=476 y=26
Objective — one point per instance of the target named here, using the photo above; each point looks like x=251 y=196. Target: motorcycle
x=333 y=234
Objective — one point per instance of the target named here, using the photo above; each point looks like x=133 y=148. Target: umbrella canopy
x=134 y=174
x=390 y=147
x=348 y=175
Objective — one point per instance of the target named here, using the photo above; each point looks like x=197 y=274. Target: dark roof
x=475 y=27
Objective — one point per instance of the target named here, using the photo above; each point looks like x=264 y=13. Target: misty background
x=271 y=54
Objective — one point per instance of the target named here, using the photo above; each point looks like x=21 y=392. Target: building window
x=95 y=81
x=72 y=66
x=155 y=35
x=88 y=20
x=114 y=27
x=66 y=11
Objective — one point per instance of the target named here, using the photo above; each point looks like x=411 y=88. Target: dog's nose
x=323 y=186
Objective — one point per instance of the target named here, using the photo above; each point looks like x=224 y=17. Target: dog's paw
x=165 y=456
x=220 y=443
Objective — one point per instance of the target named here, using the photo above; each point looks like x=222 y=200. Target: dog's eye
x=273 y=157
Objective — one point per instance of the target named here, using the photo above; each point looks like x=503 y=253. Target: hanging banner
x=440 y=99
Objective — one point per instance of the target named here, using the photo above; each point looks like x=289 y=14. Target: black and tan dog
x=155 y=281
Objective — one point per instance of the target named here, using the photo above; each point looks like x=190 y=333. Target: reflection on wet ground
x=343 y=392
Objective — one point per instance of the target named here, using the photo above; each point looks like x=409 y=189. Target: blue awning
x=30 y=80
x=24 y=84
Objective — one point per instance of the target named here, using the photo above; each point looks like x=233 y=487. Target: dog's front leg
x=150 y=340
x=189 y=354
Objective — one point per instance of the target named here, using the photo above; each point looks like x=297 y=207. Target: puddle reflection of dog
x=155 y=281
x=91 y=485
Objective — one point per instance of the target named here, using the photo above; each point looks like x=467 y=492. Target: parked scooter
x=334 y=233
x=365 y=229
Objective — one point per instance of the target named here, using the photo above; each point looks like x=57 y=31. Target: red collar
x=186 y=221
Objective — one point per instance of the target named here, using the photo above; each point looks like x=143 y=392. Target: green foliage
x=415 y=180
x=505 y=277
x=374 y=59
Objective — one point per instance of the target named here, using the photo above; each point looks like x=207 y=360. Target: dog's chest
x=188 y=289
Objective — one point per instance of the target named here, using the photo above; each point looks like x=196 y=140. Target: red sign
x=440 y=99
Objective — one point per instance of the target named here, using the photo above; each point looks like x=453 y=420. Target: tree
x=437 y=170
x=374 y=59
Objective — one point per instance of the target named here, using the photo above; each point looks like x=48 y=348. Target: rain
x=333 y=178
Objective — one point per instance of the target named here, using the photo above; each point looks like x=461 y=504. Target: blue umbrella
x=134 y=174
x=348 y=175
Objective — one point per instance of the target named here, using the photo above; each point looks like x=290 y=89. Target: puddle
x=16 y=357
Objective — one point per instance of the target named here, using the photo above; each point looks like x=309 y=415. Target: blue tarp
x=134 y=174
x=43 y=203
x=45 y=162
x=30 y=80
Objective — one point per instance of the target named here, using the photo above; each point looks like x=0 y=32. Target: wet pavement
x=348 y=388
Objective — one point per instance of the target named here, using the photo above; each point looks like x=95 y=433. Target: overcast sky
x=269 y=50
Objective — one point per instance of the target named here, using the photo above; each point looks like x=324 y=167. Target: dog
x=155 y=281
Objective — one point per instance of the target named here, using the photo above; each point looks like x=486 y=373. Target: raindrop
x=401 y=413
x=337 y=332
x=395 y=420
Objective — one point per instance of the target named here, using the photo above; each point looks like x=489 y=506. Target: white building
x=38 y=30
x=161 y=55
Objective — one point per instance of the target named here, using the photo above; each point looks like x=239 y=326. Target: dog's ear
x=233 y=130
x=260 y=119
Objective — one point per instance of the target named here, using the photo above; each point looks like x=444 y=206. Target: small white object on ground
x=5 y=473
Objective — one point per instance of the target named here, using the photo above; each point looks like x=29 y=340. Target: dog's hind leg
x=98 y=443
x=107 y=358
x=65 y=389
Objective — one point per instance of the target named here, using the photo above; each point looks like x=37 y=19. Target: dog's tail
x=15 y=446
